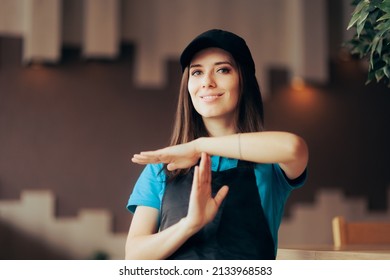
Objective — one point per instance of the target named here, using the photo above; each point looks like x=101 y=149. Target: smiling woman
x=218 y=191
x=214 y=87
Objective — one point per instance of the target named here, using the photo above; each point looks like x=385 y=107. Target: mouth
x=211 y=97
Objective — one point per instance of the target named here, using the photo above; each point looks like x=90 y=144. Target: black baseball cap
x=218 y=38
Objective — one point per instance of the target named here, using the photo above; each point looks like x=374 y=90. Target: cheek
x=235 y=88
x=191 y=87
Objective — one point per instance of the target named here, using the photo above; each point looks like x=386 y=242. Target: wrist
x=198 y=145
x=188 y=227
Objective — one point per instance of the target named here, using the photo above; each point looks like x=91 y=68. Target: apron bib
x=238 y=231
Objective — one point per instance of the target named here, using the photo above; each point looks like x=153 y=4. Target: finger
x=138 y=159
x=221 y=194
x=195 y=180
x=204 y=169
x=171 y=166
x=141 y=159
x=150 y=153
x=153 y=155
x=208 y=168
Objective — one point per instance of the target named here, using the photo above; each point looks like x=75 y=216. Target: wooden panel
x=333 y=253
x=345 y=233
x=77 y=237
x=101 y=28
x=42 y=30
x=11 y=17
x=369 y=233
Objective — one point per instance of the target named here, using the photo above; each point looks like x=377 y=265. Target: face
x=213 y=84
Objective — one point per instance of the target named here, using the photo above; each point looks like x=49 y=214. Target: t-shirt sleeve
x=292 y=183
x=148 y=189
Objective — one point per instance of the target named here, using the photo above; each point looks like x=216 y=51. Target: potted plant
x=371 y=19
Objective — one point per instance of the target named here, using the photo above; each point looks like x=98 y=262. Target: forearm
x=159 y=245
x=261 y=147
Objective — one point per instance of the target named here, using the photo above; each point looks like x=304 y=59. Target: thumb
x=221 y=194
x=171 y=166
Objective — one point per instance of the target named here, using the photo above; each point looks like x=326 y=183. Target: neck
x=219 y=127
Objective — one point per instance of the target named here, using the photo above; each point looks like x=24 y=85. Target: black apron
x=239 y=230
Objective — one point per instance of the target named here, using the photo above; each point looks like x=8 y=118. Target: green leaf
x=384 y=17
x=386 y=59
x=379 y=74
x=373 y=48
x=353 y=20
x=357 y=13
x=379 y=47
x=386 y=71
x=385 y=6
x=359 y=29
x=362 y=18
x=382 y=25
x=370 y=77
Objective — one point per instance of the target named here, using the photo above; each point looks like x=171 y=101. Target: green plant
x=371 y=18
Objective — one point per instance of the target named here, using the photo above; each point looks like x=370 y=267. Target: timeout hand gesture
x=203 y=207
x=176 y=157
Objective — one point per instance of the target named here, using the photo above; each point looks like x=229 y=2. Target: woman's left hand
x=202 y=206
x=176 y=157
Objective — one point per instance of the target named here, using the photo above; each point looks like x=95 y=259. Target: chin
x=210 y=114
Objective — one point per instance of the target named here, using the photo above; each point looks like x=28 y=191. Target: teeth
x=210 y=97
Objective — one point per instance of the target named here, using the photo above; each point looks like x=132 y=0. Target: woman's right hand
x=202 y=206
x=176 y=157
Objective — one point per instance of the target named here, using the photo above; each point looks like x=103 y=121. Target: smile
x=211 y=97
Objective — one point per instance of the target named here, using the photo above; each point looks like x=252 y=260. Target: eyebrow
x=215 y=64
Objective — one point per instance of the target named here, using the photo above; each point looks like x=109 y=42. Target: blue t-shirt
x=274 y=188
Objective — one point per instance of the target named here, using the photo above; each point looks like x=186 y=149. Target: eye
x=224 y=70
x=196 y=73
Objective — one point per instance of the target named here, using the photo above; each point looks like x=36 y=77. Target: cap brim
x=196 y=46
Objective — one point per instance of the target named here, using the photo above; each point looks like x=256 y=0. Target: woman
x=218 y=191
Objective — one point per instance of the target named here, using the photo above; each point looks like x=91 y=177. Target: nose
x=208 y=80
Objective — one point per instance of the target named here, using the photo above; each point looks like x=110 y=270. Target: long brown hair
x=188 y=124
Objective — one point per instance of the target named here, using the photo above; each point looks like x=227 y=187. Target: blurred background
x=84 y=84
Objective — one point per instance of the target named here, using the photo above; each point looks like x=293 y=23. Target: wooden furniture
x=354 y=233
x=330 y=252
x=352 y=241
